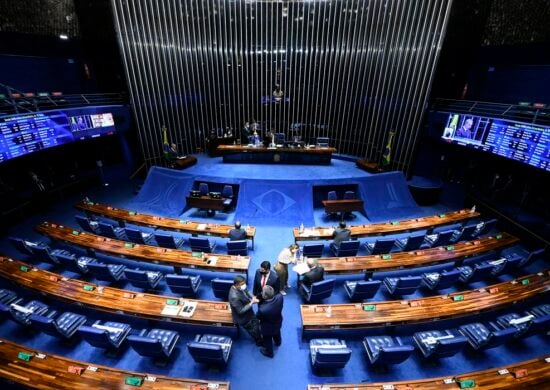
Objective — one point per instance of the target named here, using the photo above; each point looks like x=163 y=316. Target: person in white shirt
x=286 y=256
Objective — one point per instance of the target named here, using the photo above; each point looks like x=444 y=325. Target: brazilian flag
x=386 y=156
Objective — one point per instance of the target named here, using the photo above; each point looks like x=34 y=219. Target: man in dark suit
x=341 y=233
x=270 y=314
x=241 y=303
x=265 y=277
x=237 y=233
x=316 y=273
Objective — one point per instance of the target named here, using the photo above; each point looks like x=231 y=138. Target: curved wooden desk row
x=155 y=254
x=114 y=300
x=391 y=227
x=523 y=375
x=156 y=222
x=45 y=371
x=418 y=258
x=422 y=310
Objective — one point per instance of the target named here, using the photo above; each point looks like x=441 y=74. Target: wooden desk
x=282 y=155
x=205 y=202
x=156 y=222
x=369 y=166
x=538 y=374
x=113 y=300
x=185 y=162
x=391 y=227
x=423 y=310
x=413 y=259
x=343 y=205
x=174 y=257
x=51 y=372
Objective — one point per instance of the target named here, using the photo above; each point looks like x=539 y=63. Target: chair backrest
x=279 y=138
x=413 y=242
x=199 y=244
x=448 y=278
x=227 y=191
x=532 y=256
x=136 y=275
x=487 y=227
x=106 y=229
x=407 y=285
x=348 y=248
x=313 y=250
x=443 y=238
x=147 y=346
x=134 y=235
x=322 y=141
x=332 y=357
x=394 y=355
x=97 y=337
x=365 y=289
x=321 y=290
x=220 y=288
x=480 y=272
x=332 y=195
x=68 y=261
x=499 y=337
x=203 y=189
x=44 y=324
x=382 y=245
x=467 y=232
x=165 y=240
x=84 y=223
x=238 y=247
x=510 y=264
x=349 y=195
x=19 y=244
x=100 y=271
x=180 y=284
x=42 y=252
x=7 y=296
x=449 y=347
x=206 y=353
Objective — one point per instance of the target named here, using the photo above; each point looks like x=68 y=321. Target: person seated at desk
x=316 y=273
x=341 y=233
x=171 y=152
x=254 y=139
x=269 y=139
x=237 y=233
x=265 y=277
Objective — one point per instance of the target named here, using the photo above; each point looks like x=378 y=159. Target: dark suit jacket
x=270 y=314
x=314 y=275
x=237 y=234
x=272 y=280
x=241 y=307
x=341 y=235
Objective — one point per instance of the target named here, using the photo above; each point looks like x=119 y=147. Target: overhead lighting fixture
x=63 y=36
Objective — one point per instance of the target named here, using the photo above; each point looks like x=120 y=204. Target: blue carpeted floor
x=248 y=369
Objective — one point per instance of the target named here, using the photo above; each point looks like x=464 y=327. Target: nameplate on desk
x=133 y=381
x=53 y=278
x=369 y=307
x=75 y=370
x=150 y=378
x=24 y=268
x=520 y=373
x=188 y=309
x=91 y=368
x=320 y=309
x=498 y=236
x=493 y=290
x=388 y=387
x=458 y=298
x=450 y=247
x=220 y=306
x=183 y=222
x=386 y=257
x=449 y=381
x=212 y=260
x=419 y=253
x=415 y=303
x=132 y=213
x=504 y=371
x=197 y=254
x=442 y=215
x=525 y=281
x=172 y=301
x=395 y=223
x=87 y=287
x=76 y=232
x=467 y=383
x=40 y=356
x=25 y=356
x=128 y=245
x=129 y=295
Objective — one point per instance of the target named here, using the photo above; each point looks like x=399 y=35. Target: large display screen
x=26 y=133
x=523 y=142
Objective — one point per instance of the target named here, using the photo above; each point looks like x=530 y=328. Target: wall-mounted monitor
x=523 y=142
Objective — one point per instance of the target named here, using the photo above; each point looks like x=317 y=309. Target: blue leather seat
x=155 y=343
x=220 y=288
x=20 y=245
x=505 y=265
x=386 y=350
x=439 y=239
x=183 y=284
x=64 y=326
x=440 y=280
x=143 y=279
x=7 y=296
x=318 y=290
x=21 y=313
x=541 y=310
x=332 y=195
x=514 y=320
x=482 y=337
x=227 y=194
x=349 y=195
x=439 y=344
x=313 y=250
x=527 y=256
x=346 y=248
x=71 y=263
x=201 y=245
x=380 y=246
x=402 y=286
x=328 y=353
x=210 y=349
x=410 y=243
x=466 y=233
x=108 y=335
x=361 y=290
x=108 y=230
x=168 y=241
x=203 y=189
x=44 y=253
x=486 y=227
x=86 y=224
x=137 y=236
x=475 y=273
x=106 y=272
x=238 y=247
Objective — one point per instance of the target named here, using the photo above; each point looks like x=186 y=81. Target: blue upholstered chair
x=540 y=310
x=183 y=284
x=505 y=265
x=238 y=247
x=203 y=189
x=108 y=230
x=439 y=239
x=20 y=245
x=313 y=250
x=108 y=335
x=44 y=253
x=402 y=286
x=527 y=256
x=210 y=349
x=201 y=245
x=106 y=272
x=227 y=194
x=64 y=326
x=346 y=248
x=380 y=246
x=155 y=343
x=410 y=243
x=21 y=313
x=483 y=337
x=328 y=354
x=7 y=296
x=440 y=280
x=87 y=224
x=513 y=320
x=220 y=288
x=361 y=290
x=383 y=350
x=466 y=233
x=70 y=262
x=475 y=273
x=486 y=227
x=439 y=344
x=317 y=291
x=323 y=142
x=349 y=195
x=137 y=236
x=143 y=279
x=332 y=195
x=168 y=240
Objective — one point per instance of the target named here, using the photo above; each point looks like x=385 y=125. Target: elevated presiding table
x=205 y=202
x=342 y=205
x=390 y=227
x=114 y=300
x=157 y=255
x=156 y=222
x=275 y=155
x=48 y=371
x=423 y=310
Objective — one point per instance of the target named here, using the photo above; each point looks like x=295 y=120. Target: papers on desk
x=188 y=309
x=170 y=310
x=300 y=268
x=212 y=260
x=201 y=226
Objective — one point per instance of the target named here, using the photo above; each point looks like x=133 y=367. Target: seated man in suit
x=238 y=233
x=316 y=273
x=265 y=277
x=341 y=233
